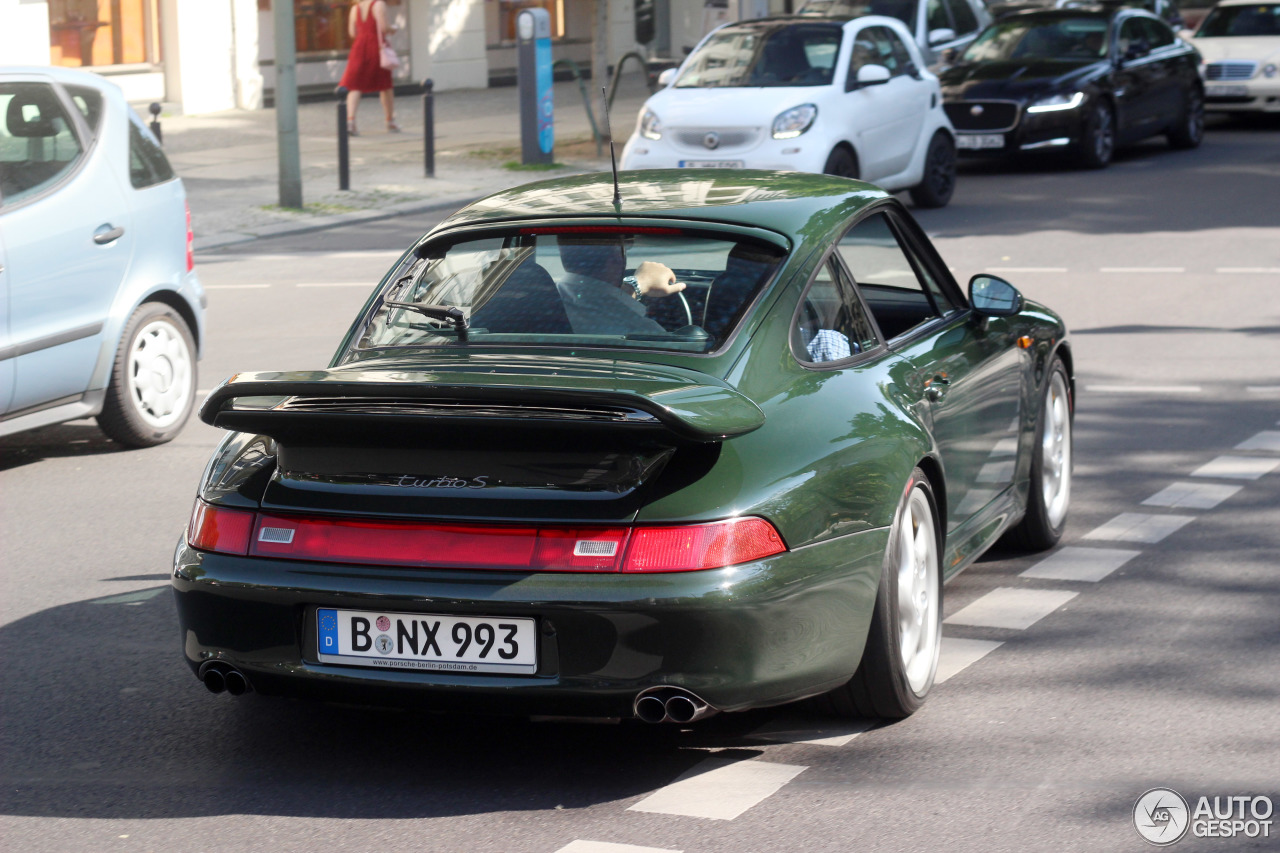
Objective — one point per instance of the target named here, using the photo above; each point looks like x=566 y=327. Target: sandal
x=351 y=129
x=392 y=127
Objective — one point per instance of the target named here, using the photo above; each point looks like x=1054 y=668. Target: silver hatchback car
x=101 y=311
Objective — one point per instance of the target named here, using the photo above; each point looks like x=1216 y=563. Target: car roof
x=797 y=205
x=1090 y=11
x=70 y=76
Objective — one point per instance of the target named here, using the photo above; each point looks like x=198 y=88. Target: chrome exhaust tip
x=671 y=705
x=651 y=709
x=214 y=680
x=237 y=684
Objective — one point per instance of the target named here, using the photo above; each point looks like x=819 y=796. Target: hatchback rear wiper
x=444 y=313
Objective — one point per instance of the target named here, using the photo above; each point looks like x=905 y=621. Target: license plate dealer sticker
x=710 y=164
x=977 y=141
x=427 y=641
x=1220 y=90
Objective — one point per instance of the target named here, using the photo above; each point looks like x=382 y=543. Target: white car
x=1240 y=43
x=847 y=98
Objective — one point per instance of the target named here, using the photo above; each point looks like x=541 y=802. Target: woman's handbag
x=387 y=58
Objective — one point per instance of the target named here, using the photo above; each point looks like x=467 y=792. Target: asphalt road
x=1144 y=653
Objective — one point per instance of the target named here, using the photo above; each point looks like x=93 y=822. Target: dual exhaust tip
x=671 y=705
x=218 y=677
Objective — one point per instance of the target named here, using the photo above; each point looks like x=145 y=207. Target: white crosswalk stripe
x=958 y=653
x=1139 y=527
x=785 y=730
x=1080 y=564
x=1010 y=608
x=719 y=789
x=1268 y=440
x=1192 y=495
x=1229 y=467
x=608 y=847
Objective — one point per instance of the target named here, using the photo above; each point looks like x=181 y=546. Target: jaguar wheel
x=900 y=659
x=153 y=380
x=939 y=174
x=1189 y=131
x=1050 y=493
x=1098 y=144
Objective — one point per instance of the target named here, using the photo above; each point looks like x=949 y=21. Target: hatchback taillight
x=549 y=548
x=191 y=240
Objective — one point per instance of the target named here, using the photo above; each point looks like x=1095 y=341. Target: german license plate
x=710 y=164
x=1220 y=90
x=977 y=141
x=427 y=641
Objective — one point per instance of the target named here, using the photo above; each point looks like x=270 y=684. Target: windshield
x=795 y=55
x=575 y=286
x=903 y=10
x=1058 y=38
x=1260 y=20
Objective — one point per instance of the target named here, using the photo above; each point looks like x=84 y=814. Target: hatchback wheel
x=840 y=162
x=901 y=655
x=939 y=174
x=1099 y=140
x=1189 y=131
x=153 y=380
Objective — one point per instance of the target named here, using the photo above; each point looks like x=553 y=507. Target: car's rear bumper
x=779 y=629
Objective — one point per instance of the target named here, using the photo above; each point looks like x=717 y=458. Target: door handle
x=107 y=234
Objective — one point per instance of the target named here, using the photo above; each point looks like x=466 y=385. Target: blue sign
x=546 y=111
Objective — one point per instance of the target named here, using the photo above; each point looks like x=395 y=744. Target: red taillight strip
x=517 y=548
x=191 y=240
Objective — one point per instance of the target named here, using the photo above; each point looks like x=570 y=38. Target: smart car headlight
x=650 y=127
x=795 y=121
x=1054 y=103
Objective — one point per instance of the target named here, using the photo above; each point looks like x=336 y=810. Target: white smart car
x=1240 y=43
x=847 y=98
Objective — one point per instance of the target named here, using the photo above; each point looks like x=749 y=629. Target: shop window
x=509 y=10
x=320 y=26
x=103 y=32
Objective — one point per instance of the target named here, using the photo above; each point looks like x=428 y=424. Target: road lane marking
x=1144 y=389
x=1250 y=270
x=786 y=730
x=957 y=653
x=1016 y=609
x=1080 y=564
x=1143 y=269
x=719 y=788
x=1192 y=495
x=1027 y=269
x=236 y=286
x=1268 y=439
x=1139 y=527
x=364 y=284
x=1262 y=389
x=1229 y=467
x=609 y=847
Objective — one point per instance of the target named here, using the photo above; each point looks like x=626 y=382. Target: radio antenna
x=613 y=160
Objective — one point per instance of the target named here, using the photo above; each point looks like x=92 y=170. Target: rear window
x=147 y=163
x=575 y=287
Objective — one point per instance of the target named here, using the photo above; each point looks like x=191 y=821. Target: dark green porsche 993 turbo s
x=710 y=446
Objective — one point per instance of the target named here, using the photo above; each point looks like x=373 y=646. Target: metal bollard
x=344 y=151
x=154 y=109
x=429 y=128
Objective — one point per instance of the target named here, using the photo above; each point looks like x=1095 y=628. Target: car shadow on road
x=78 y=438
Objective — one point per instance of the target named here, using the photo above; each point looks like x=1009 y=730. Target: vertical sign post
x=287 y=150
x=533 y=71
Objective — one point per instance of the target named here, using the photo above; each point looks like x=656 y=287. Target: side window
x=899 y=299
x=831 y=324
x=1156 y=33
x=89 y=101
x=936 y=17
x=1130 y=34
x=38 y=146
x=881 y=42
x=962 y=13
x=147 y=163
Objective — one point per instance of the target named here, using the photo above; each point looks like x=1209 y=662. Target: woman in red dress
x=367 y=25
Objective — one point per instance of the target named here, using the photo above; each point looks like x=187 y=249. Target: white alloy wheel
x=918 y=599
x=1055 y=449
x=159 y=374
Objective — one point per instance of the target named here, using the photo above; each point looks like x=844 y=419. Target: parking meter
x=533 y=71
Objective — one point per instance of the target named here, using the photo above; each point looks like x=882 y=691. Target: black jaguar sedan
x=1081 y=81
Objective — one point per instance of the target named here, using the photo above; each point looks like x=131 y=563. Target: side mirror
x=870 y=75
x=666 y=78
x=941 y=36
x=992 y=296
x=949 y=56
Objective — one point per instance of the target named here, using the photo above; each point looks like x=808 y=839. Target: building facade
x=211 y=55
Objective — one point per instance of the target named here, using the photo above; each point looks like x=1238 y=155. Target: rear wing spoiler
x=684 y=404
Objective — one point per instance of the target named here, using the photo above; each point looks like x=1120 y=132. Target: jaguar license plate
x=1221 y=90
x=978 y=141
x=427 y=641
x=710 y=164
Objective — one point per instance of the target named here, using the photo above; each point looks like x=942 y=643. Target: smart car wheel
x=1098 y=142
x=939 y=174
x=153 y=380
x=901 y=655
x=1050 y=496
x=841 y=162
x=1189 y=130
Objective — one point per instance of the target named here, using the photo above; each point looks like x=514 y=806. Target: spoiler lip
x=695 y=408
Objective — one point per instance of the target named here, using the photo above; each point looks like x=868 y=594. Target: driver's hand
x=657 y=279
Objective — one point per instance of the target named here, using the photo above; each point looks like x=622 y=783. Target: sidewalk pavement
x=228 y=161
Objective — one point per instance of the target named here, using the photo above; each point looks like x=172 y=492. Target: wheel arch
x=932 y=469
x=175 y=301
x=853 y=152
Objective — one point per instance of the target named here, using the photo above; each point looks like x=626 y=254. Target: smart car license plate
x=710 y=164
x=1220 y=90
x=976 y=141
x=427 y=641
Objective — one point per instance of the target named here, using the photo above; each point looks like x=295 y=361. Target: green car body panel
x=824 y=454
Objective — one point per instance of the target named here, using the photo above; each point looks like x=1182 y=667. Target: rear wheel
x=1189 y=131
x=841 y=162
x=939 y=174
x=153 y=380
x=901 y=655
x=1098 y=143
x=1050 y=492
